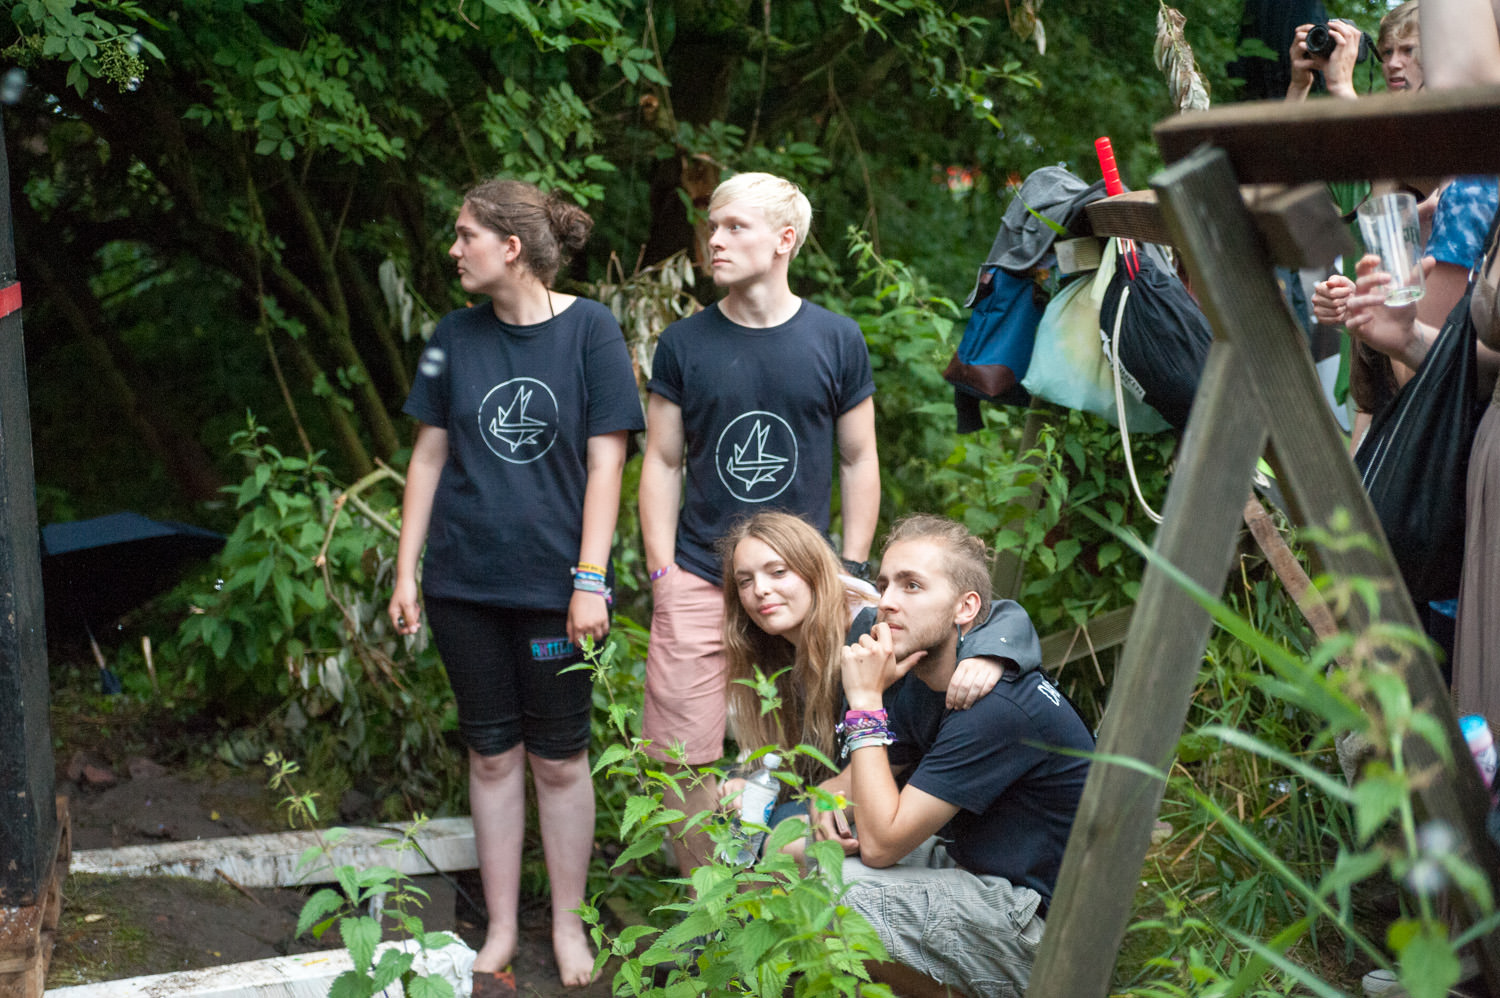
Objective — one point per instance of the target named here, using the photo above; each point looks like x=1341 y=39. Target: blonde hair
x=966 y=560
x=1402 y=22
x=551 y=230
x=782 y=201
x=809 y=683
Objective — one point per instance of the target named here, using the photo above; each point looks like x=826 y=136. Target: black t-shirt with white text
x=998 y=763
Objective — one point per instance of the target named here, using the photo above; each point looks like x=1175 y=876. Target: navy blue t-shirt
x=995 y=761
x=1006 y=633
x=519 y=404
x=760 y=409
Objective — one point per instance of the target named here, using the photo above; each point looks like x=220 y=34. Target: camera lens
x=1320 y=40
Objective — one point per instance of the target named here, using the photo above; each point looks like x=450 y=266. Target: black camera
x=1321 y=42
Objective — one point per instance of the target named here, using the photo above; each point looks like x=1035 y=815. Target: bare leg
x=497 y=801
x=692 y=849
x=565 y=802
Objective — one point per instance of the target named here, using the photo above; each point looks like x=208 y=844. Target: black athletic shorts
x=505 y=666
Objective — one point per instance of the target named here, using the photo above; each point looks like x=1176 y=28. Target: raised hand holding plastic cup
x=1390 y=229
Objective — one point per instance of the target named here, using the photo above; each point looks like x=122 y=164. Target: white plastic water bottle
x=1476 y=731
x=757 y=801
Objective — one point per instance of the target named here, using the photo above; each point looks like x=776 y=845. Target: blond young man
x=753 y=403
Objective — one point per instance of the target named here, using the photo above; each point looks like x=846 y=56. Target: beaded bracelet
x=863 y=728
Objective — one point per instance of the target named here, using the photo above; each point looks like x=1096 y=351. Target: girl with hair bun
x=524 y=404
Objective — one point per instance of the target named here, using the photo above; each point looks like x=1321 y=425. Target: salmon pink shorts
x=685 y=669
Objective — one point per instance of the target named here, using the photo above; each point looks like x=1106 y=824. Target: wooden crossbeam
x=1391 y=135
x=1300 y=225
x=1101 y=632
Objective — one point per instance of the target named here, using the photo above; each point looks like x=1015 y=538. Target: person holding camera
x=1457 y=216
x=1332 y=49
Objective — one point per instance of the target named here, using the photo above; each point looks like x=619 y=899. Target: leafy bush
x=294 y=635
x=768 y=929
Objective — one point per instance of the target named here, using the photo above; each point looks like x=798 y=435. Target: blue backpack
x=996 y=347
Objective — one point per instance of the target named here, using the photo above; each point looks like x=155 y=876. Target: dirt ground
x=115 y=928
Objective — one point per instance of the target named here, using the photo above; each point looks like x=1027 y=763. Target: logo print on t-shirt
x=756 y=456
x=518 y=420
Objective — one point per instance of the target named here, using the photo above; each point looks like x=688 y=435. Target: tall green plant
x=768 y=929
x=364 y=904
x=295 y=627
x=1308 y=840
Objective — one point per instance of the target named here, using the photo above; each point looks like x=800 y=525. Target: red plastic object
x=1112 y=185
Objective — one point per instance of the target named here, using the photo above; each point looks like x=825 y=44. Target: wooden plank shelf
x=1380 y=136
x=1299 y=225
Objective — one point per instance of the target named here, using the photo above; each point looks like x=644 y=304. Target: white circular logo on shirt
x=756 y=456
x=518 y=420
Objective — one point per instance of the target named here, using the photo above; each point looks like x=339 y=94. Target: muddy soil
x=114 y=928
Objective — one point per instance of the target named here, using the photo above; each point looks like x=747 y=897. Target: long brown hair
x=807 y=679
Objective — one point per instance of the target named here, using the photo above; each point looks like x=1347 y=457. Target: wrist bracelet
x=584 y=566
x=866 y=740
x=661 y=571
x=592 y=582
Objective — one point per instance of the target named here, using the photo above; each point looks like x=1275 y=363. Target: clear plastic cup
x=1390 y=229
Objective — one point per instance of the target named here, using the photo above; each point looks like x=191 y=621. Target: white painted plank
x=306 y=975
x=271 y=860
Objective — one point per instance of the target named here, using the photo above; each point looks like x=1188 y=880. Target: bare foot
x=498 y=950
x=575 y=957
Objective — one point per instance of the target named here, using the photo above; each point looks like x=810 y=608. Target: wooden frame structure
x=1259 y=395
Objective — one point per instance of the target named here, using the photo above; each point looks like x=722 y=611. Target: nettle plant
x=767 y=929
x=1265 y=899
x=365 y=905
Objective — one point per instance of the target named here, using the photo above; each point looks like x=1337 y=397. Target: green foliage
x=938 y=51
x=546 y=139
x=291 y=151
x=101 y=41
x=1279 y=847
x=383 y=890
x=295 y=628
x=768 y=929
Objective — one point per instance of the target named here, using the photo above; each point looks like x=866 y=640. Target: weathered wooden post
x=28 y=819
